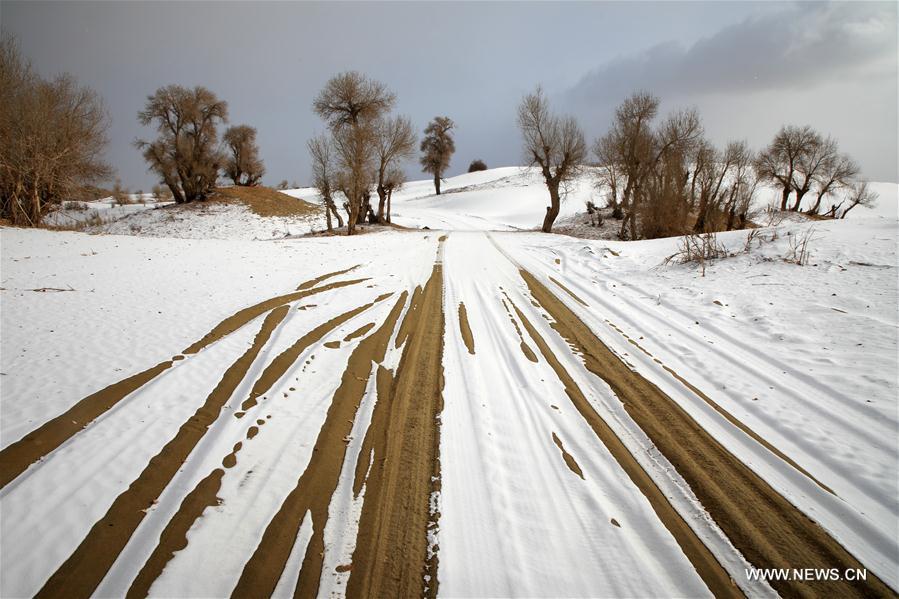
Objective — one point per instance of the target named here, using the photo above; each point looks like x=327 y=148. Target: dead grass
x=266 y=201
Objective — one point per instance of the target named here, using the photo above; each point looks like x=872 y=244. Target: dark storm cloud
x=795 y=48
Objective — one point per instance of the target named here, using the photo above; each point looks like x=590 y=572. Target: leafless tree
x=610 y=173
x=242 y=165
x=351 y=104
x=835 y=173
x=185 y=155
x=437 y=148
x=353 y=147
x=554 y=144
x=629 y=144
x=713 y=193
x=52 y=139
x=324 y=175
x=743 y=184
x=811 y=164
x=662 y=200
x=860 y=194
x=394 y=143
x=778 y=162
x=395 y=179
x=351 y=98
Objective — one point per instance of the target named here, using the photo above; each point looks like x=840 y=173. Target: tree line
x=665 y=178
x=660 y=177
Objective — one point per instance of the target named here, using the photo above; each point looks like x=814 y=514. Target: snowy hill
x=515 y=198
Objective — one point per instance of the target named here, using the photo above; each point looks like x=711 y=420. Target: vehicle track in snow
x=391 y=394
x=766 y=528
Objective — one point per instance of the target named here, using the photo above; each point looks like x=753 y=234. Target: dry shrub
x=798 y=251
x=52 y=138
x=698 y=249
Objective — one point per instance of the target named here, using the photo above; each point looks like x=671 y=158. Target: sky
x=748 y=67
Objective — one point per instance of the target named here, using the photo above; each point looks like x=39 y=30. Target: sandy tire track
x=768 y=530
x=391 y=558
x=18 y=456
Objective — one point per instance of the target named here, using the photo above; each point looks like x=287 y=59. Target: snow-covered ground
x=515 y=198
x=531 y=502
x=211 y=221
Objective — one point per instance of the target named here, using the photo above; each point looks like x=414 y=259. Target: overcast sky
x=748 y=67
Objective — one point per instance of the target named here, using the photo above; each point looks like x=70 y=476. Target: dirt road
x=467 y=434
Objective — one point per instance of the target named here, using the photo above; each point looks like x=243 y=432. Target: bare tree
x=629 y=144
x=661 y=198
x=353 y=150
x=243 y=165
x=351 y=104
x=185 y=154
x=834 y=174
x=741 y=191
x=437 y=148
x=860 y=195
x=810 y=165
x=610 y=173
x=778 y=162
x=712 y=194
x=52 y=139
x=395 y=180
x=394 y=142
x=351 y=98
x=324 y=175
x=554 y=144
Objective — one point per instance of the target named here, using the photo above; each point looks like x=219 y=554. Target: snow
x=805 y=356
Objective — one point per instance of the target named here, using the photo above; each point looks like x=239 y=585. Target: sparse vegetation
x=698 y=249
x=798 y=251
x=52 y=139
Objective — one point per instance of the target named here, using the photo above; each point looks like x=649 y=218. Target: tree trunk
x=389 y=196
x=328 y=217
x=699 y=225
x=382 y=200
x=437 y=183
x=352 y=218
x=814 y=209
x=333 y=209
x=799 y=194
x=552 y=211
x=785 y=195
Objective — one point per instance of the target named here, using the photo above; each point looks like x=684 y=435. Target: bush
x=698 y=249
x=477 y=165
x=52 y=137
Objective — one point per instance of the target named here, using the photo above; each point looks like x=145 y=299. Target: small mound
x=266 y=201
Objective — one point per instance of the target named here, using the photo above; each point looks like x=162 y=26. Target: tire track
x=465 y=329
x=173 y=537
x=17 y=457
x=318 y=482
x=706 y=564
x=319 y=279
x=768 y=530
x=392 y=557
x=83 y=571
